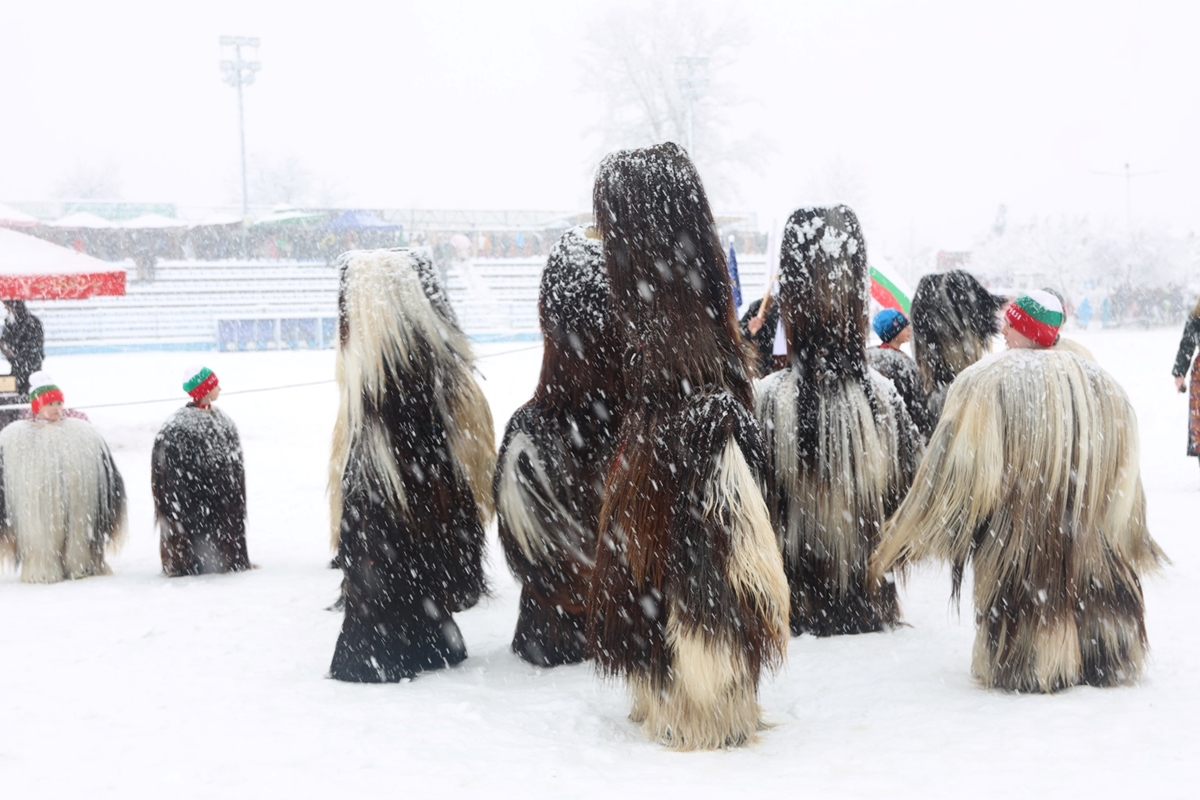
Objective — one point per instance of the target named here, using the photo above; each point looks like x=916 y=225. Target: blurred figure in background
x=1183 y=361
x=22 y=343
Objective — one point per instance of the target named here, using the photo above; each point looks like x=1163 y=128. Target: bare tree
x=644 y=60
x=84 y=181
x=288 y=181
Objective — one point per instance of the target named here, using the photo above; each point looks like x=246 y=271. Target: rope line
x=273 y=388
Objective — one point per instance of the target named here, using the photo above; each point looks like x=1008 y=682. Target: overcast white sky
x=938 y=111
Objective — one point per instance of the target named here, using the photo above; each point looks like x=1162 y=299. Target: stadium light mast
x=689 y=72
x=238 y=73
x=1128 y=176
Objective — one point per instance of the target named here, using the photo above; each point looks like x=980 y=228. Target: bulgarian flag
x=889 y=289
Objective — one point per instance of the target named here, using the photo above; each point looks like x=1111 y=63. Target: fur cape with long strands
x=953 y=319
x=1032 y=475
x=556 y=450
x=841 y=446
x=62 y=503
x=411 y=470
x=688 y=602
x=198 y=480
x=902 y=371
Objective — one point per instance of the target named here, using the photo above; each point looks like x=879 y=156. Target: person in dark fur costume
x=556 y=450
x=763 y=339
x=1032 y=475
x=689 y=601
x=954 y=320
x=198 y=480
x=62 y=499
x=410 y=474
x=894 y=330
x=841 y=445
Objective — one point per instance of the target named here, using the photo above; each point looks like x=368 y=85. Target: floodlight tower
x=238 y=72
x=689 y=72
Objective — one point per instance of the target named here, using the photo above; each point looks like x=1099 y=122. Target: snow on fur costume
x=63 y=501
x=556 y=451
x=689 y=600
x=1032 y=475
x=410 y=472
x=841 y=446
x=953 y=319
x=902 y=371
x=198 y=480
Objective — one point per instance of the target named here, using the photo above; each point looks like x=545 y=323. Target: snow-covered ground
x=136 y=686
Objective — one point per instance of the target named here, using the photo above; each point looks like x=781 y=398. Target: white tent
x=82 y=219
x=11 y=218
x=151 y=221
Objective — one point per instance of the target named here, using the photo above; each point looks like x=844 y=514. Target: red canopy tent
x=32 y=269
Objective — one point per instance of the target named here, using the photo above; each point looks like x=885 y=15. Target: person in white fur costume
x=62 y=500
x=1032 y=475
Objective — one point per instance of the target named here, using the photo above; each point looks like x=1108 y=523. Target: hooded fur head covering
x=666 y=265
x=954 y=319
x=823 y=292
x=582 y=344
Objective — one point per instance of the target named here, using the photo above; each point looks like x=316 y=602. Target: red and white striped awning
x=33 y=269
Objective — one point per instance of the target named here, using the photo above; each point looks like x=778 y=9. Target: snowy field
x=138 y=686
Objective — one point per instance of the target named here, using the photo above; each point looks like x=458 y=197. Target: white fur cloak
x=1032 y=474
x=63 y=502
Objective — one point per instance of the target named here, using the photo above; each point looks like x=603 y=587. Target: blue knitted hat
x=888 y=324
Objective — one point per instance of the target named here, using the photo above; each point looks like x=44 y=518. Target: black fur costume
x=411 y=470
x=689 y=601
x=902 y=371
x=954 y=319
x=198 y=480
x=841 y=445
x=557 y=447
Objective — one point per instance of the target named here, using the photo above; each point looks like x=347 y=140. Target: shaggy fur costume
x=199 y=485
x=841 y=446
x=689 y=600
x=902 y=371
x=557 y=447
x=63 y=500
x=1032 y=475
x=411 y=470
x=954 y=320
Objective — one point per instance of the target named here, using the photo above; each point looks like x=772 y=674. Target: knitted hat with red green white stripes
x=42 y=391
x=1036 y=315
x=201 y=381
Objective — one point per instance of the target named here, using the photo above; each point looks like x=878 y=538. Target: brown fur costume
x=689 y=600
x=411 y=470
x=954 y=320
x=556 y=450
x=1032 y=476
x=839 y=440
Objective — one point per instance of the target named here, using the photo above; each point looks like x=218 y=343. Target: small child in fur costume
x=894 y=330
x=410 y=475
x=1032 y=475
x=840 y=443
x=556 y=451
x=62 y=503
x=689 y=602
x=954 y=319
x=198 y=480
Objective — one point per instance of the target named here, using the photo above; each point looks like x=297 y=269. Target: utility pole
x=689 y=72
x=239 y=73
